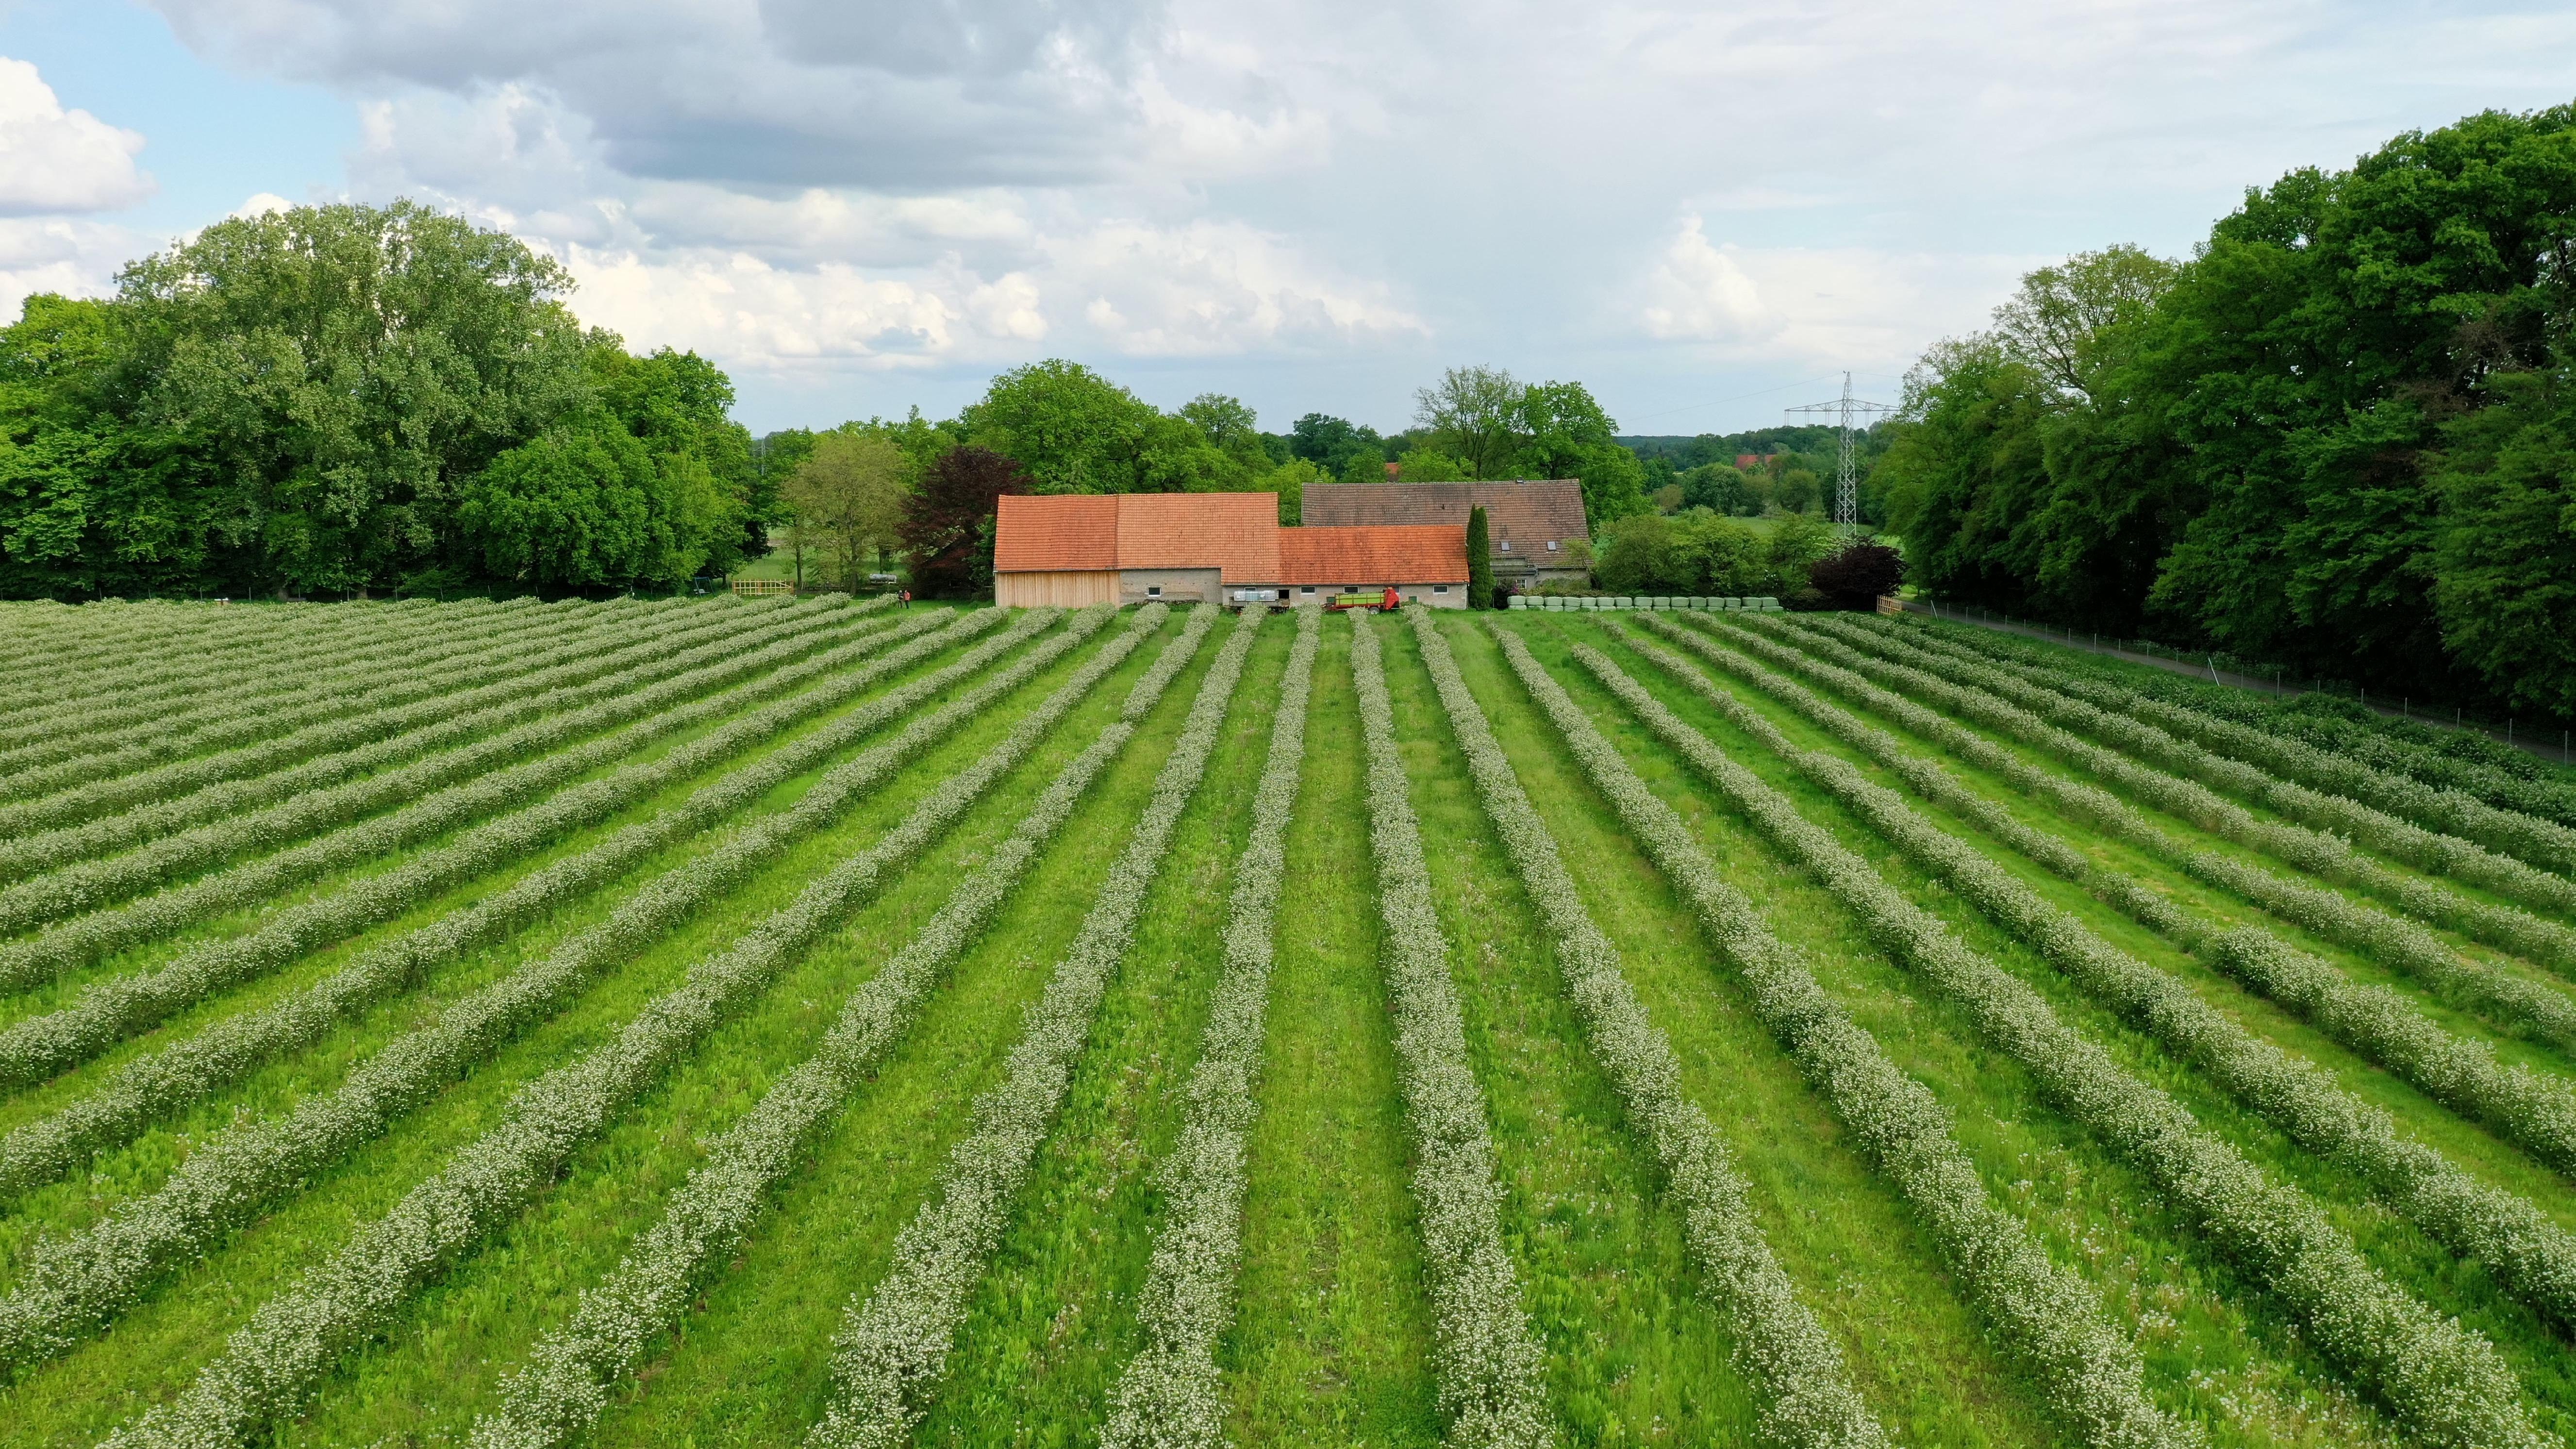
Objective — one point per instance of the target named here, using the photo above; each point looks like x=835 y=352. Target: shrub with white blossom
x=2535 y=1256
x=73 y=1284
x=1169 y=1395
x=2046 y=1316
x=893 y=1342
x=1808 y=1398
x=2446 y=1383
x=272 y=1364
x=222 y=1052
x=1487 y=1357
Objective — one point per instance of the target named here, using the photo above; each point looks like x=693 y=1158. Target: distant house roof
x=1237 y=534
x=1369 y=555
x=1531 y=512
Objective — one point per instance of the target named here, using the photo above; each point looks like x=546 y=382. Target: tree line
x=340 y=400
x=2340 y=437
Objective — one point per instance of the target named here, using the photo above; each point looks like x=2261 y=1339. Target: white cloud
x=1699 y=294
x=59 y=254
x=56 y=161
x=1640 y=193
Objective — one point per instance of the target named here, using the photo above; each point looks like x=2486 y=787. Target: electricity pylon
x=1842 y=411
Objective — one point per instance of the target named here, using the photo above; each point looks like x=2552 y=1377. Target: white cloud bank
x=58 y=161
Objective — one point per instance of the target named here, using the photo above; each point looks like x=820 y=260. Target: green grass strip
x=1808 y=1397
x=2531 y=1007
x=2320 y=844
x=2535 y=1256
x=2445 y=1382
x=272 y=1365
x=2548 y=844
x=1170 y=1395
x=223 y=1052
x=2534 y=1109
x=1489 y=1358
x=2088 y=1374
x=73 y=1285
x=892 y=1346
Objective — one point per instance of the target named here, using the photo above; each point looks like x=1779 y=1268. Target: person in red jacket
x=1390 y=598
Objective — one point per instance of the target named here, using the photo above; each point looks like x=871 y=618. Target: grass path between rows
x=1332 y=1341
x=541 y=1258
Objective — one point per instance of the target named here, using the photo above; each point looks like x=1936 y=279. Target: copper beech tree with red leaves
x=948 y=521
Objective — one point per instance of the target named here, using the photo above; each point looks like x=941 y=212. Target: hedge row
x=1486 y=1356
x=2535 y=1257
x=893 y=1341
x=2447 y=1384
x=1170 y=1394
x=272 y=1364
x=224 y=1051
x=1807 y=1394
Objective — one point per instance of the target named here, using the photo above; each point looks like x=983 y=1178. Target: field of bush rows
x=837 y=1023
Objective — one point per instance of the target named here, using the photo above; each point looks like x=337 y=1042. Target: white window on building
x=1439 y=588
x=1308 y=589
x=1154 y=591
x=1507 y=545
x=1551 y=545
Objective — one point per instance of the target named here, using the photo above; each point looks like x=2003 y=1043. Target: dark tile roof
x=1530 y=512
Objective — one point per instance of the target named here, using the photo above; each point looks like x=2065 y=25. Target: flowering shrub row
x=2310 y=848
x=2447 y=1384
x=224 y=1051
x=2522 y=1004
x=647 y=714
x=111 y=634
x=106 y=1011
x=2046 y=1316
x=114 y=634
x=72 y=883
x=1807 y=1390
x=234 y=782
x=2548 y=844
x=1168 y=1395
x=287 y=691
x=1486 y=1357
x=378 y=710
x=271 y=1364
x=893 y=1341
x=2535 y=1256
x=75 y=1283
x=78 y=706
x=2535 y=1109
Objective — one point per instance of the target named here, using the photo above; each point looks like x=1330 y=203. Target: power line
x=1842 y=411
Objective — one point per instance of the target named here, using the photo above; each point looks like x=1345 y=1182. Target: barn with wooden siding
x=1076 y=549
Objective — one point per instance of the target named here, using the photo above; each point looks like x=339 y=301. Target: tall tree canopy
x=337 y=398
x=2330 y=438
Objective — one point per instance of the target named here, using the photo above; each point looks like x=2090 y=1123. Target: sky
x=1706 y=213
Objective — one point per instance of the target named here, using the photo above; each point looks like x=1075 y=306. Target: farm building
x=1536 y=525
x=1074 y=549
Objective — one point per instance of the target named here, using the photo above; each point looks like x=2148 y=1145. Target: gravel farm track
x=723 y=1022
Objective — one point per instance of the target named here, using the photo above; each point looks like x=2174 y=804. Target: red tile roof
x=1063 y=531
x=1235 y=532
x=1371 y=556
